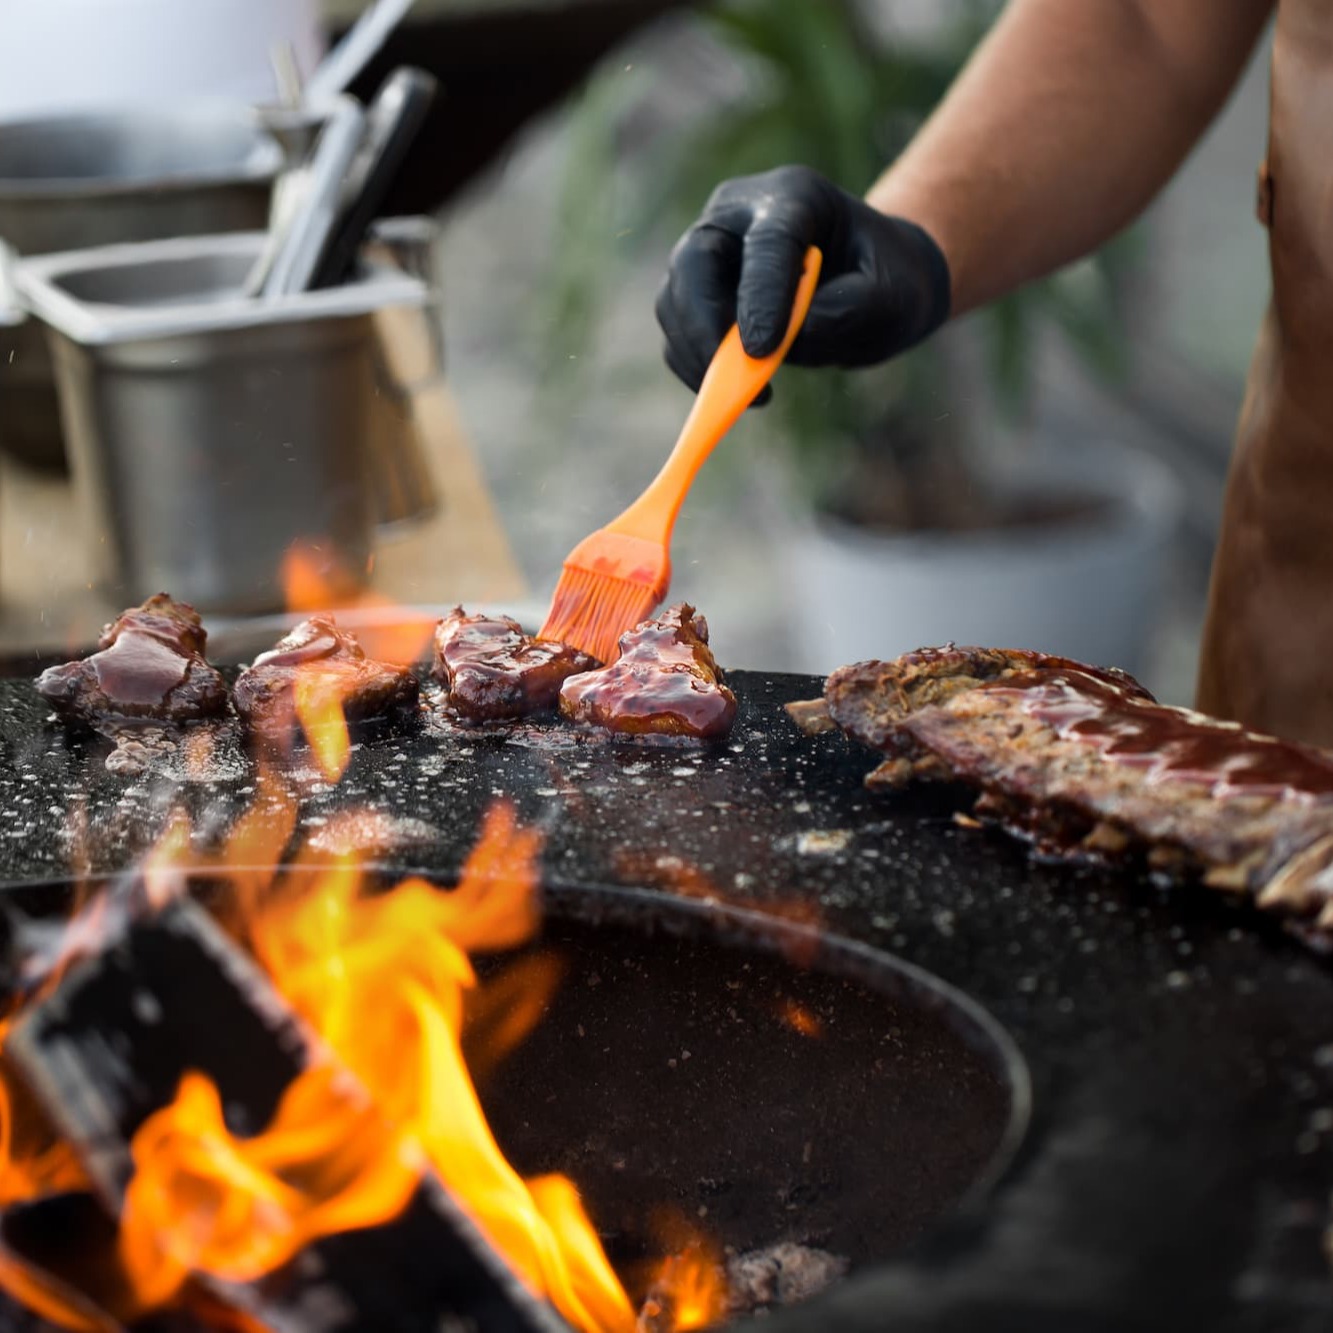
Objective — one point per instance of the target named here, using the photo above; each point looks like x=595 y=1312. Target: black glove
x=884 y=284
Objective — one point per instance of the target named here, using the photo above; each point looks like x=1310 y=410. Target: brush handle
x=729 y=387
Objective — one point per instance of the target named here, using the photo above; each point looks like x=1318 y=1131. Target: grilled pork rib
x=666 y=682
x=493 y=671
x=317 y=648
x=149 y=666
x=1086 y=764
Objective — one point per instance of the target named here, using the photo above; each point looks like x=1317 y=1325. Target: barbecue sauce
x=139 y=670
x=312 y=640
x=150 y=665
x=1170 y=744
x=493 y=671
x=665 y=682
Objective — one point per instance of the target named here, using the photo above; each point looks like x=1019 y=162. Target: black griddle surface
x=1180 y=1162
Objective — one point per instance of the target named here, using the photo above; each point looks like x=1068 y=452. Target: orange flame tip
x=390 y=632
x=318 y=700
x=800 y=1019
x=202 y=1200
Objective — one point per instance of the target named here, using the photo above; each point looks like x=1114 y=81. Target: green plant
x=826 y=92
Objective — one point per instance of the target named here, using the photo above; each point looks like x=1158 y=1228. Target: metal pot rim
x=263 y=161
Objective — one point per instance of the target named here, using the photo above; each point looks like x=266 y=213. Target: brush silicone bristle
x=611 y=582
x=592 y=611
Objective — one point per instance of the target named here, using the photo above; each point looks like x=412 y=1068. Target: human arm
x=1067 y=120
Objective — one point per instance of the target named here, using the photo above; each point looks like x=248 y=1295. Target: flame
x=35 y=1162
x=689 y=1292
x=387 y=631
x=383 y=979
x=317 y=697
x=203 y=1200
x=800 y=1019
x=499 y=1015
x=387 y=983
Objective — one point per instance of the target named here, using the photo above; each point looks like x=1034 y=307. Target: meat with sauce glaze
x=319 y=650
x=149 y=666
x=493 y=671
x=666 y=682
x=1087 y=765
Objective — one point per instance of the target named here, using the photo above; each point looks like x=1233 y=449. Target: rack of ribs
x=1087 y=765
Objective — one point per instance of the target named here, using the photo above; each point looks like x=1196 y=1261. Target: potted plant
x=914 y=528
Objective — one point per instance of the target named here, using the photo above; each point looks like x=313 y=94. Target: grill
x=1177 y=1165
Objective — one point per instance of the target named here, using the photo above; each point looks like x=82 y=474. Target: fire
x=498 y=1016
x=800 y=1019
x=385 y=982
x=689 y=1292
x=317 y=697
x=34 y=1163
x=387 y=631
x=203 y=1200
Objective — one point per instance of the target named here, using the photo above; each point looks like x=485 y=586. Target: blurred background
x=1047 y=473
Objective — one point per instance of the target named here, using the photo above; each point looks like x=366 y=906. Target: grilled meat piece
x=494 y=671
x=1086 y=764
x=666 y=682
x=331 y=659
x=149 y=665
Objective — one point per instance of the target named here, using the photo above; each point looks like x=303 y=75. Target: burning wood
x=689 y=1292
x=290 y=1131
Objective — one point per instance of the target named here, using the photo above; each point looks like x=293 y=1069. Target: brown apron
x=1268 y=641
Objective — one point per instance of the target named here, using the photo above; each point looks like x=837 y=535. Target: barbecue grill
x=1176 y=1169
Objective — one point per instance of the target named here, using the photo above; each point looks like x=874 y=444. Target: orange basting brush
x=614 y=578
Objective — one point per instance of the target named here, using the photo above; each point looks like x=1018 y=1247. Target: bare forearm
x=1069 y=118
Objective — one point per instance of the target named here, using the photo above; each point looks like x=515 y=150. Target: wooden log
x=171 y=993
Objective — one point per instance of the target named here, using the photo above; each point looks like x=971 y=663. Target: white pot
x=1089 y=590
x=61 y=55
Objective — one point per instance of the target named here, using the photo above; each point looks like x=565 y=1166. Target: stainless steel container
x=90 y=179
x=209 y=432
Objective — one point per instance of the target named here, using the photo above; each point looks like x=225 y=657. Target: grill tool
x=613 y=579
x=392 y=123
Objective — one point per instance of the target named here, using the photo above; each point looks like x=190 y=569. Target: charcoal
x=68 y=1241
x=171 y=993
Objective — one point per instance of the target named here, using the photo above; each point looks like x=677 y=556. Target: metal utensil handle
x=308 y=232
x=341 y=66
x=392 y=124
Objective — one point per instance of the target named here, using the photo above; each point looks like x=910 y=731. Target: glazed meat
x=494 y=671
x=318 y=649
x=1087 y=764
x=666 y=682
x=149 y=666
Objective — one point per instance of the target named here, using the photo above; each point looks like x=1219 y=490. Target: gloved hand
x=884 y=284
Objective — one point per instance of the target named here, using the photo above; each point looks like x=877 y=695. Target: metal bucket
x=210 y=432
x=74 y=181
